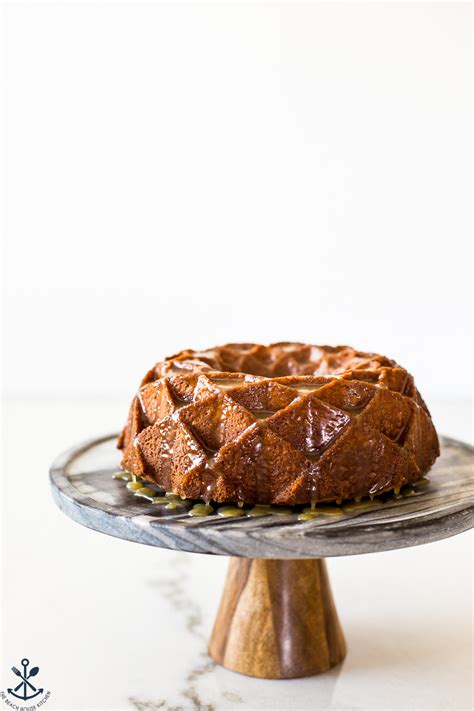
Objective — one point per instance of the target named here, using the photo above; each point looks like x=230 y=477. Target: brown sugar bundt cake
x=282 y=424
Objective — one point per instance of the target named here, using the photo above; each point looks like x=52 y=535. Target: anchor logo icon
x=27 y=685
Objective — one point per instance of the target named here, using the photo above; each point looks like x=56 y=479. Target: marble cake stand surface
x=84 y=489
x=277 y=617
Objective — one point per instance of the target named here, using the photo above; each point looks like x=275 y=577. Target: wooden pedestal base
x=277 y=620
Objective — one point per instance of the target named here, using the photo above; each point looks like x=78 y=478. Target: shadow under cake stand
x=277 y=617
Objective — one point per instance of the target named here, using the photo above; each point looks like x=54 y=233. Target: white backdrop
x=184 y=175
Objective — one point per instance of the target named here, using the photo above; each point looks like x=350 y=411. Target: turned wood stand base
x=277 y=620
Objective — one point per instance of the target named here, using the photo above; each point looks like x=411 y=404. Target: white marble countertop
x=115 y=625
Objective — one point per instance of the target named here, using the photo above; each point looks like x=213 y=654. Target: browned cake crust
x=282 y=424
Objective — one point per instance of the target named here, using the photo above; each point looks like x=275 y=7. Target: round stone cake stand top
x=277 y=617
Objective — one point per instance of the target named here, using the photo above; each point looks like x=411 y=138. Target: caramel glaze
x=284 y=424
x=199 y=508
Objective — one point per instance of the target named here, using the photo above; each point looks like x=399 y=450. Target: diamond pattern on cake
x=156 y=401
x=389 y=413
x=216 y=420
x=264 y=396
x=379 y=465
x=346 y=395
x=308 y=424
x=261 y=460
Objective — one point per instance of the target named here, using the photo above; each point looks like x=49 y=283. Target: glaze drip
x=173 y=502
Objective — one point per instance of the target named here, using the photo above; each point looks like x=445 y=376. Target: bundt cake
x=282 y=424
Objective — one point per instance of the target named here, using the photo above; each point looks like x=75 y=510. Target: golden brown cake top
x=273 y=361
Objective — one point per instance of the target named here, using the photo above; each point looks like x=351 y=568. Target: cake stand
x=277 y=618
